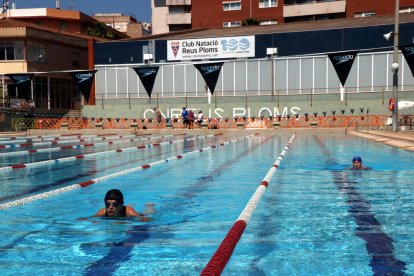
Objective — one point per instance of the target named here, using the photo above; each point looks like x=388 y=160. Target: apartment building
x=48 y=40
x=173 y=15
x=47 y=53
x=62 y=20
x=123 y=23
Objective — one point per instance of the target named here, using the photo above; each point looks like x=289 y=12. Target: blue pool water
x=315 y=218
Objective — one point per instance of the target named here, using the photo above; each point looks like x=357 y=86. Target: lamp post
x=272 y=52
x=394 y=68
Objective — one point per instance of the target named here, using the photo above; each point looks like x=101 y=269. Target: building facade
x=295 y=77
x=62 y=20
x=50 y=55
x=48 y=43
x=172 y=15
x=123 y=23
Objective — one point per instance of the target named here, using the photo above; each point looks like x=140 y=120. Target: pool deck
x=401 y=139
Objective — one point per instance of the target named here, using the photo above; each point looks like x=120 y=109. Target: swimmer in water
x=357 y=164
x=114 y=207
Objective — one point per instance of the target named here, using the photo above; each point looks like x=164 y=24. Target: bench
x=240 y=124
x=64 y=126
x=276 y=124
x=314 y=124
x=387 y=124
x=204 y=125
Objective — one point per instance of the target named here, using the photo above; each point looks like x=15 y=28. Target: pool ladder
x=350 y=123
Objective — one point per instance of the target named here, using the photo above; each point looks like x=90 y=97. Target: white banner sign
x=206 y=48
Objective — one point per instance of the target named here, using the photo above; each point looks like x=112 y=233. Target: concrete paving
x=401 y=139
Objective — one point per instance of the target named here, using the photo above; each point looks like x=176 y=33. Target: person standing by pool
x=114 y=207
x=159 y=117
x=200 y=118
x=357 y=164
x=190 y=119
x=184 y=115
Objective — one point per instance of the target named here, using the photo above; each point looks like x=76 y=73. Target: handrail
x=356 y=126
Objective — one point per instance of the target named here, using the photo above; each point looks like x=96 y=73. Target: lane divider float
x=82 y=156
x=26 y=200
x=220 y=258
x=53 y=139
x=54 y=149
x=63 y=141
x=32 y=139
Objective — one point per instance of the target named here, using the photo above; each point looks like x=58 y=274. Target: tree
x=100 y=30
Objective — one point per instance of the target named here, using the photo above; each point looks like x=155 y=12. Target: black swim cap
x=115 y=194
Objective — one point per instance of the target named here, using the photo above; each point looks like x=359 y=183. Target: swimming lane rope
x=220 y=258
x=88 y=155
x=26 y=200
x=16 y=143
x=67 y=141
x=52 y=136
x=54 y=149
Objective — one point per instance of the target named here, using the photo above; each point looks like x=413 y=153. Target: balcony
x=178 y=3
x=178 y=18
x=313 y=7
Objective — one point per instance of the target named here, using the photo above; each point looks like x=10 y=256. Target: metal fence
x=297 y=121
x=253 y=77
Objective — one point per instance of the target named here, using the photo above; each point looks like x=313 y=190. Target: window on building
x=268 y=22
x=299 y=2
x=267 y=3
x=364 y=14
x=36 y=52
x=232 y=24
x=179 y=9
x=407 y=10
x=64 y=26
x=11 y=50
x=7 y=51
x=232 y=6
x=75 y=59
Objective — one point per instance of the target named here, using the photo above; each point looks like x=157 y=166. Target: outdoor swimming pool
x=315 y=218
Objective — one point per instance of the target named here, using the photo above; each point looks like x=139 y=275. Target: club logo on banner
x=175 y=46
x=342 y=62
x=210 y=73
x=147 y=76
x=408 y=52
x=84 y=80
x=23 y=83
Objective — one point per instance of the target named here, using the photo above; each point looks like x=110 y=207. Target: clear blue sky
x=140 y=9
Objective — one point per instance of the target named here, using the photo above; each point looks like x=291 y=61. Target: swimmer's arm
x=101 y=213
x=130 y=212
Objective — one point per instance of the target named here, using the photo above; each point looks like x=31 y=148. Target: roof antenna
x=5 y=6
